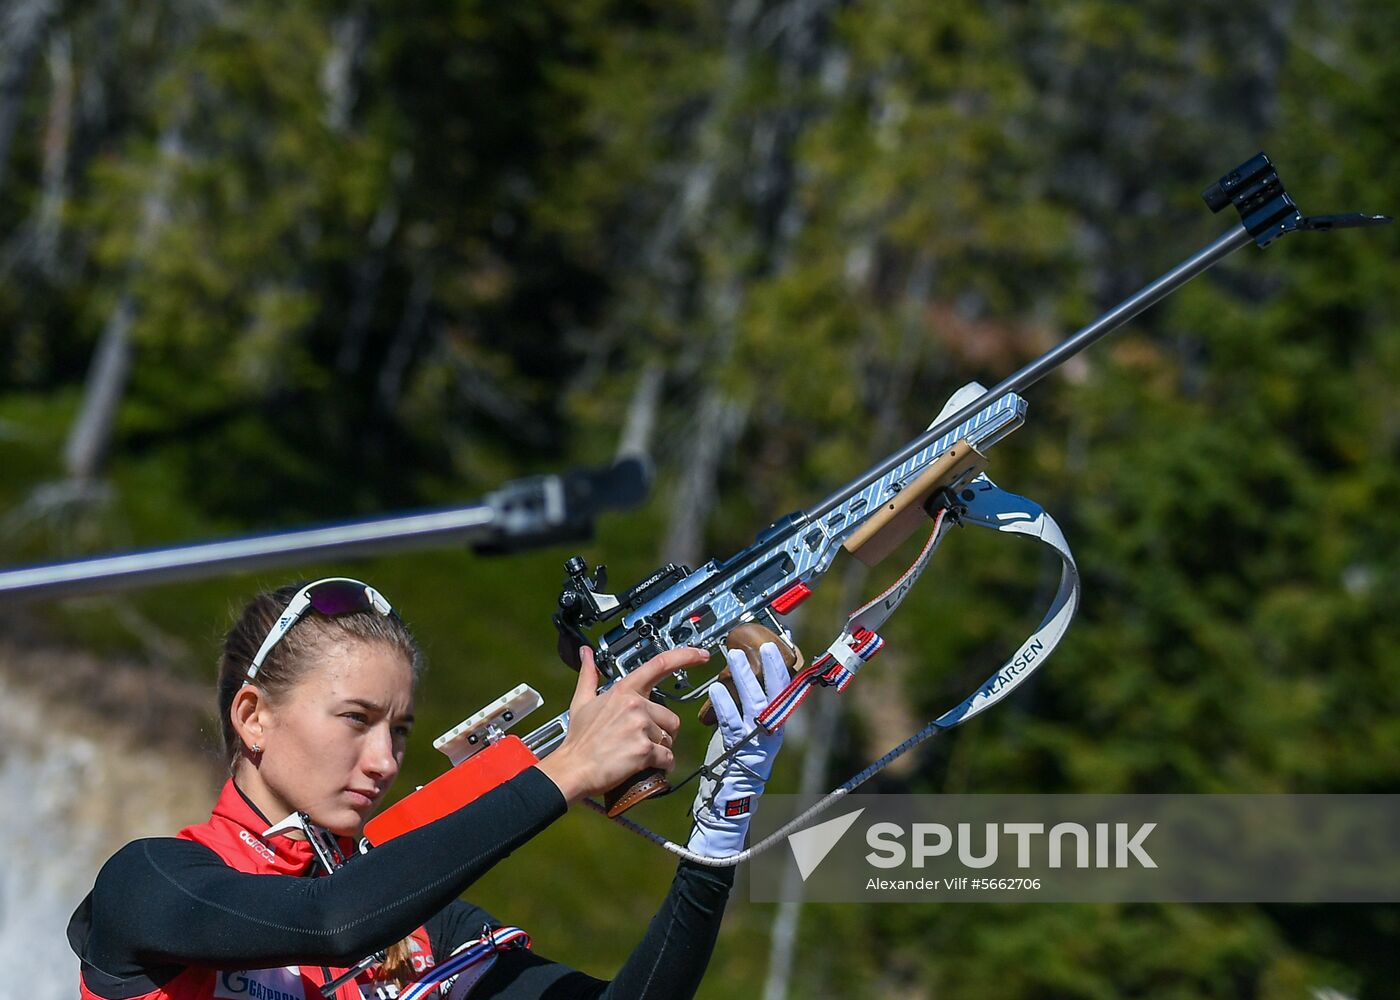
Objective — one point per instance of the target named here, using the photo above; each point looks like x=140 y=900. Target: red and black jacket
x=221 y=911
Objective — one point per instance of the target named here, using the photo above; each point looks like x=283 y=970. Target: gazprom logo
x=260 y=984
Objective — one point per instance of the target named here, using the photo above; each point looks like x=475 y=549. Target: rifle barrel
x=1036 y=370
x=134 y=569
x=523 y=513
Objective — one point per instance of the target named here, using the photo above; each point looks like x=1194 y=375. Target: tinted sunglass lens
x=339 y=597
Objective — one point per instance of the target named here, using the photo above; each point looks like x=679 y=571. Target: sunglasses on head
x=335 y=595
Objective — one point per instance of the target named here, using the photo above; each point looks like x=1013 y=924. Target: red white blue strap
x=463 y=960
x=826 y=671
x=858 y=642
x=862 y=645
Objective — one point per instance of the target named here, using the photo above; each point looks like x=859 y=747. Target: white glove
x=725 y=803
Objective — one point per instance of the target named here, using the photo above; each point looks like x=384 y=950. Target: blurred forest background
x=270 y=264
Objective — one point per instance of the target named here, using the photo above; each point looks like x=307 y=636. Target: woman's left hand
x=725 y=802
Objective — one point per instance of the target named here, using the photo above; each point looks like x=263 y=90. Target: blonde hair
x=294 y=656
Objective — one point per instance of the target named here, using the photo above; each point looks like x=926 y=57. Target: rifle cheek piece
x=888 y=528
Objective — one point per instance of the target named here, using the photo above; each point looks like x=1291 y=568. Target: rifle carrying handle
x=652 y=781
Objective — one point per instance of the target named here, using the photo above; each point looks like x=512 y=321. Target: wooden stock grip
x=748 y=638
x=888 y=527
x=653 y=781
x=642 y=785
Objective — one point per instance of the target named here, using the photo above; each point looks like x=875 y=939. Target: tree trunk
x=818 y=732
x=91 y=435
x=641 y=413
x=369 y=272
x=782 y=950
x=22 y=31
x=716 y=428
x=106 y=381
x=338 y=83
x=57 y=136
x=406 y=337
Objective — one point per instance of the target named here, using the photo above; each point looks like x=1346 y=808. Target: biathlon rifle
x=738 y=602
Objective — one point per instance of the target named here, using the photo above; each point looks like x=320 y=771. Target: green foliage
x=383 y=258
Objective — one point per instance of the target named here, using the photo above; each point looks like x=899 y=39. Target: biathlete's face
x=333 y=744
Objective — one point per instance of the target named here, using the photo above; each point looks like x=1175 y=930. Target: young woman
x=315 y=697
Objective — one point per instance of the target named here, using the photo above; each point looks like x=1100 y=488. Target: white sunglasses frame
x=297 y=609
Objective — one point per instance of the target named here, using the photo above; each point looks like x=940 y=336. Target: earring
x=255 y=749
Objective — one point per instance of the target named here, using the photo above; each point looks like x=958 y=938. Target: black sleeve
x=169 y=901
x=455 y=925
x=668 y=964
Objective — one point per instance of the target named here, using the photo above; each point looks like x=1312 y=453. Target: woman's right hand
x=620 y=732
